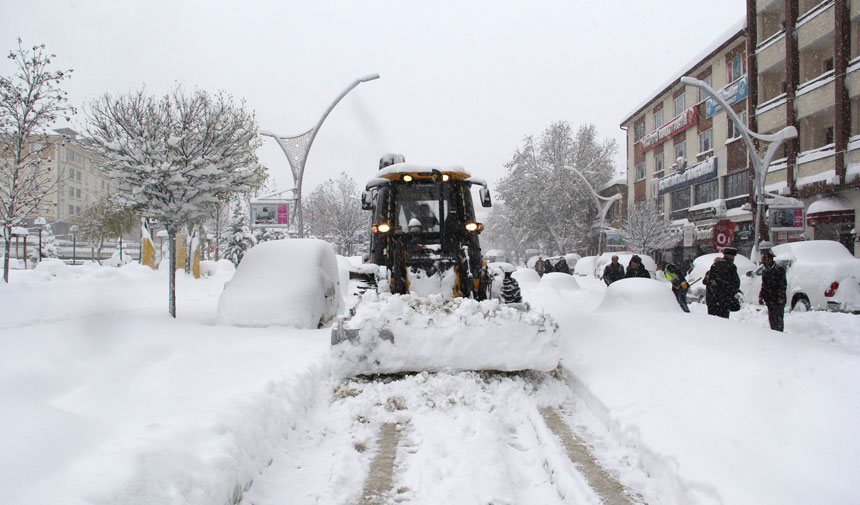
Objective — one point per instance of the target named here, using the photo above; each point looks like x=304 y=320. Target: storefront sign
x=732 y=94
x=697 y=173
x=689 y=235
x=724 y=232
x=678 y=124
x=787 y=220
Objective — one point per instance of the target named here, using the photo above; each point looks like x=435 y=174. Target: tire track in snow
x=432 y=438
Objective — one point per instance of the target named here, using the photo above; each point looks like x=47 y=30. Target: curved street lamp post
x=760 y=165
x=603 y=209
x=40 y=222
x=297 y=147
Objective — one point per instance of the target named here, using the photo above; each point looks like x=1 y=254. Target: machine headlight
x=407 y=178
x=445 y=177
x=473 y=226
x=383 y=228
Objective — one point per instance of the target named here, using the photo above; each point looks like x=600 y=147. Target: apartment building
x=685 y=154
x=792 y=63
x=80 y=180
x=806 y=61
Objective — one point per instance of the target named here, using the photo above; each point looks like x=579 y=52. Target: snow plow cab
x=425 y=304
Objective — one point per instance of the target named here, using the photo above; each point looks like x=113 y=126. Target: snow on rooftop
x=726 y=36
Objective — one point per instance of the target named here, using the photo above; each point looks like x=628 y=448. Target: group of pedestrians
x=545 y=266
x=722 y=284
x=614 y=271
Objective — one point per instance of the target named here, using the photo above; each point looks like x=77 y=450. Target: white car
x=701 y=265
x=821 y=274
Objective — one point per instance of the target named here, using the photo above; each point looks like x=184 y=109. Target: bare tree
x=333 y=211
x=646 y=230
x=178 y=156
x=30 y=101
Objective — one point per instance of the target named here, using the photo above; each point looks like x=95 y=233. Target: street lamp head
x=370 y=77
x=40 y=221
x=74 y=228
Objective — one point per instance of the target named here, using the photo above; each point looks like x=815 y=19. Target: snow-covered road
x=425 y=438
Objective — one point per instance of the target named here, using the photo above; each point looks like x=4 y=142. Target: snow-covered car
x=703 y=263
x=624 y=259
x=291 y=282
x=821 y=274
x=585 y=266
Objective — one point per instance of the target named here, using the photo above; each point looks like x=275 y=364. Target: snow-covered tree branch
x=646 y=230
x=178 y=156
x=30 y=101
x=550 y=207
x=334 y=212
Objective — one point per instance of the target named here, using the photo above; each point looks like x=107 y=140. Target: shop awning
x=829 y=209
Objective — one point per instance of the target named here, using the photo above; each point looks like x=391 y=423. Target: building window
x=680 y=199
x=828 y=64
x=78 y=193
x=828 y=135
x=640 y=171
x=71 y=210
x=681 y=150
x=78 y=175
x=736 y=68
x=71 y=192
x=706 y=141
x=709 y=80
x=733 y=131
x=658 y=162
x=736 y=184
x=658 y=118
x=638 y=130
x=680 y=103
x=707 y=191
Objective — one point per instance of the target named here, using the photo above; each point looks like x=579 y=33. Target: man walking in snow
x=613 y=271
x=723 y=284
x=773 y=287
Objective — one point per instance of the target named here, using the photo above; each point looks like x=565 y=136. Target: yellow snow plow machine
x=424 y=302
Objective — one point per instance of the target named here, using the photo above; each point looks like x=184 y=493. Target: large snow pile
x=283 y=282
x=639 y=295
x=397 y=333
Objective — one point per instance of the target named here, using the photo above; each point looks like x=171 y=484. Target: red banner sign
x=724 y=234
x=678 y=124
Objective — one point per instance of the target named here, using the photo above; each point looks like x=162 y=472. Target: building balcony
x=771 y=116
x=817 y=166
x=816 y=25
x=768 y=6
x=771 y=53
x=852 y=80
x=816 y=95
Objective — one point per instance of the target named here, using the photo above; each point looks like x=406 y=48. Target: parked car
x=624 y=259
x=821 y=275
x=703 y=263
x=585 y=266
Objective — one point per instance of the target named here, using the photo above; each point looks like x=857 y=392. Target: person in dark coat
x=613 y=271
x=773 y=287
x=722 y=283
x=562 y=267
x=636 y=269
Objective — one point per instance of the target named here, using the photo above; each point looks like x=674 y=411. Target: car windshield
x=420 y=202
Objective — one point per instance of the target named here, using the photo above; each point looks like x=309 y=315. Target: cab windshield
x=421 y=203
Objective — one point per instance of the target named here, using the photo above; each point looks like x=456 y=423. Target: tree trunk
x=8 y=249
x=171 y=247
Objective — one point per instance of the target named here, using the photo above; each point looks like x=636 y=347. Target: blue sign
x=732 y=94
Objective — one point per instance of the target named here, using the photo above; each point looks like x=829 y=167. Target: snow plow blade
x=403 y=333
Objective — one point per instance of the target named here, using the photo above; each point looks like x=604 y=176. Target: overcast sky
x=462 y=82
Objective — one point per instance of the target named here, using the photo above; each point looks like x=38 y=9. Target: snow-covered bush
x=241 y=237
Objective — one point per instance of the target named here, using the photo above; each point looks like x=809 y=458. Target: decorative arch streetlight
x=603 y=209
x=760 y=165
x=297 y=147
